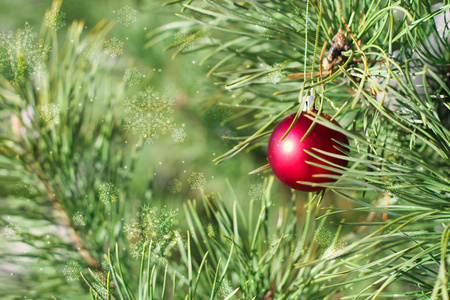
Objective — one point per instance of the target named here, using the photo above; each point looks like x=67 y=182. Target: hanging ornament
x=291 y=163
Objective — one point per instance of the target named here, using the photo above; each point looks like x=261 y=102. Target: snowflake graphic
x=264 y=29
x=4 y=60
x=272 y=240
x=211 y=230
x=105 y=268
x=23 y=189
x=149 y=114
x=113 y=47
x=136 y=250
x=324 y=238
x=229 y=138
x=275 y=73
x=12 y=231
x=178 y=135
x=197 y=180
x=256 y=191
x=108 y=193
x=132 y=76
x=159 y=229
x=50 y=113
x=298 y=17
x=186 y=41
x=101 y=274
x=224 y=288
x=146 y=210
x=72 y=271
x=132 y=229
x=101 y=290
x=19 y=52
x=174 y=186
x=334 y=250
x=127 y=15
x=79 y=219
x=38 y=74
x=55 y=19
x=221 y=111
x=298 y=249
x=88 y=52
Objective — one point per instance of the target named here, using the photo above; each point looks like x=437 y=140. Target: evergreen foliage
x=380 y=68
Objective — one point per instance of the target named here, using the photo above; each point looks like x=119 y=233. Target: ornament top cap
x=309 y=100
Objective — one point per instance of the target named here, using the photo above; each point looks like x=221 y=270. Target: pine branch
x=228 y=249
x=379 y=76
x=56 y=138
x=77 y=241
x=389 y=103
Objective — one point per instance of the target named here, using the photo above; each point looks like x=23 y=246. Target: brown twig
x=303 y=75
x=77 y=242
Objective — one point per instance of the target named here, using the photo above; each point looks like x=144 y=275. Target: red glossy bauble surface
x=288 y=159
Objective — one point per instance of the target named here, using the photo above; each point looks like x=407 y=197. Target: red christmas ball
x=289 y=161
